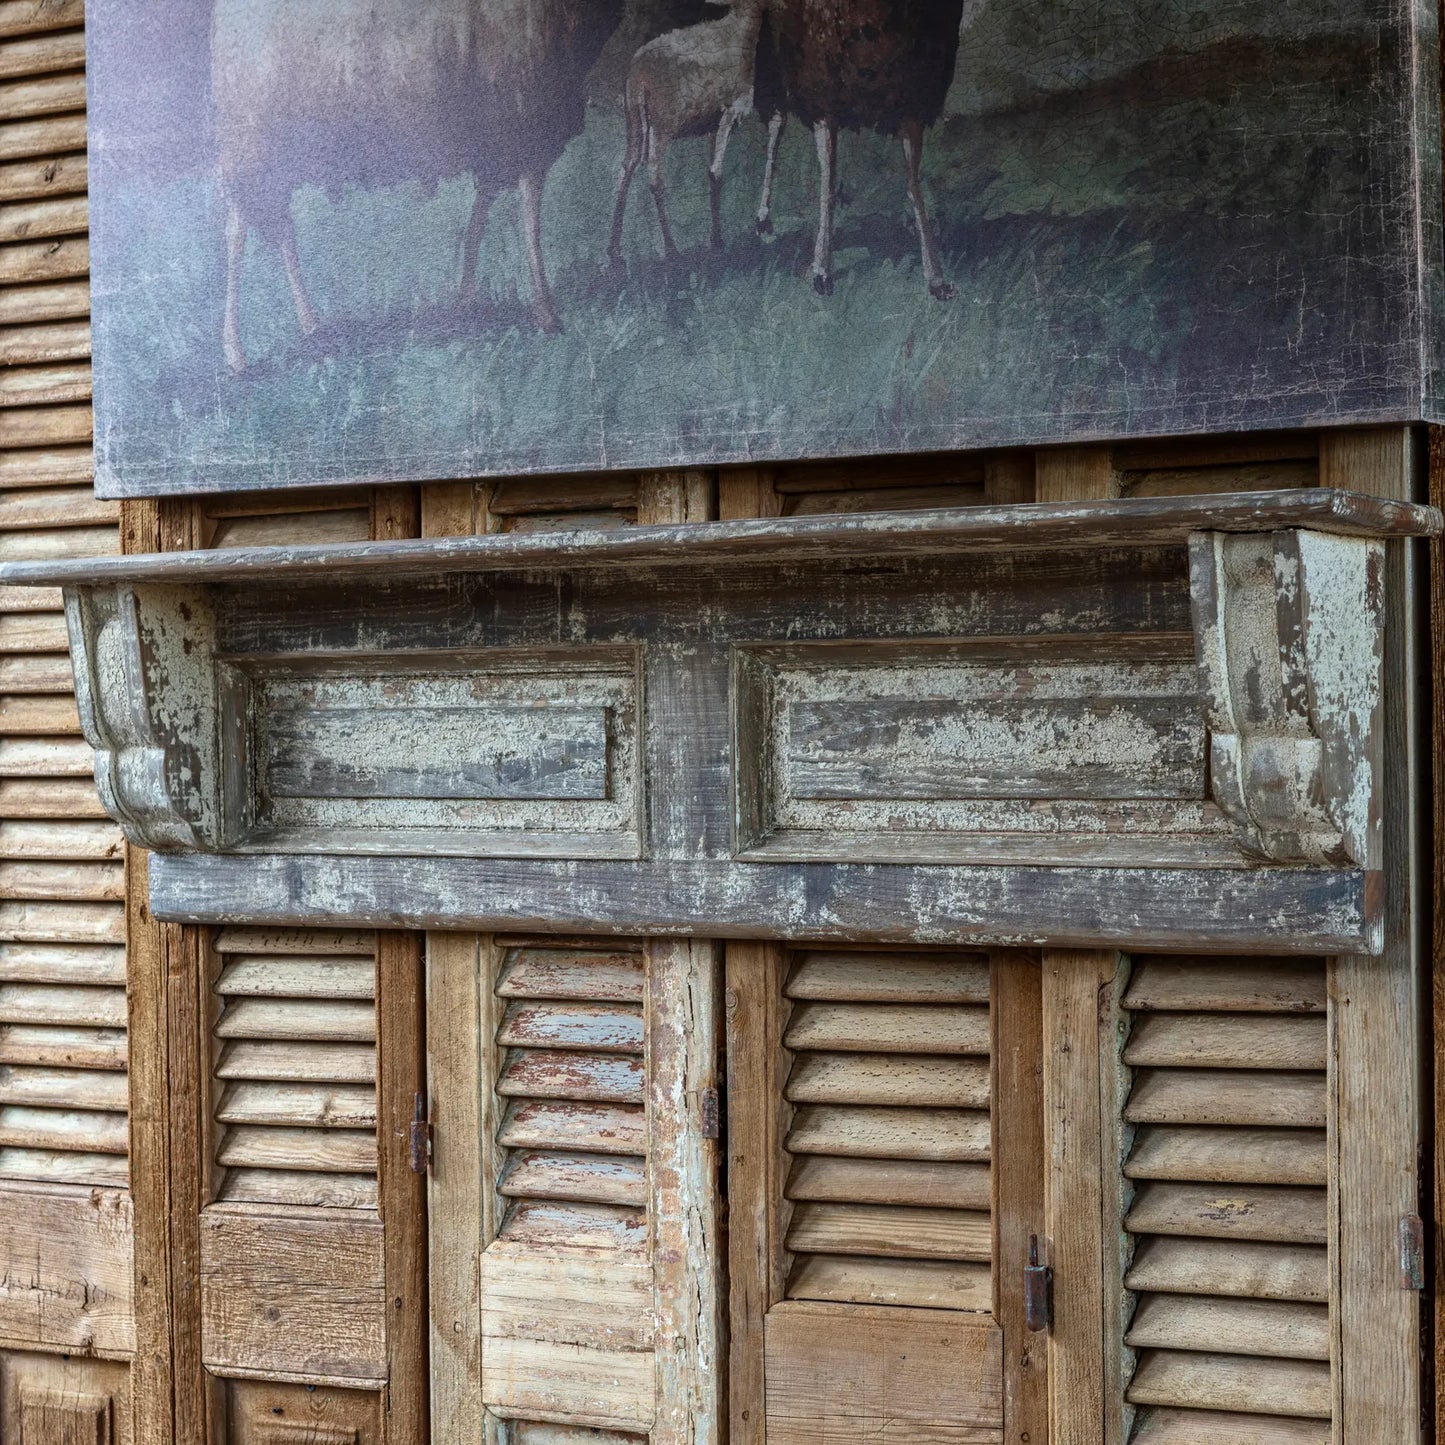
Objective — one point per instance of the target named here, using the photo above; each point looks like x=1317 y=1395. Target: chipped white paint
x=1289 y=638
x=145 y=691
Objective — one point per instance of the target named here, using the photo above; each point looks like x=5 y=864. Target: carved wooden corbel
x=1288 y=630
x=146 y=690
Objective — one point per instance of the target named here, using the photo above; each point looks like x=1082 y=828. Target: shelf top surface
x=1132 y=522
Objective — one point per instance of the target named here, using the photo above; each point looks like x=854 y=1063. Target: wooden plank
x=345 y=1151
x=66 y=1268
x=306 y=1061
x=609 y=1028
x=1230 y=1156
x=1375 y=1014
x=1227 y=986
x=888 y=1028
x=1142 y=522
x=77 y=1048
x=461 y=1214
x=39 y=716
x=330 y=1106
x=1228 y=1041
x=279 y=976
x=1293 y=910
x=1274 y=1328
x=890 y=1181
x=880 y=1133
x=329 y=1020
x=606 y=1389
x=907 y=1283
x=49 y=261
x=560 y=1074
x=861 y=976
x=839 y=1376
x=1230 y=1267
x=1073 y=1197
x=550 y=1226
x=1232 y=1382
x=1209 y=1427
x=891 y=1231
x=1020 y=1153
x=1244 y=1211
x=61 y=341
x=757 y=1212
x=294 y=1293
x=25 y=17
x=599 y=1301
x=562 y=1124
x=89 y=842
x=62 y=963
x=1222 y=1096
x=312 y=942
x=896 y=1079
x=555 y=1174
x=283 y=1186
x=558 y=973
x=84 y=1089
x=401 y=1191
x=1069 y=474
x=684 y=979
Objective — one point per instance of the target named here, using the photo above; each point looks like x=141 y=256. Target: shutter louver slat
x=294 y=1036
x=890 y=1136
x=1230 y=1212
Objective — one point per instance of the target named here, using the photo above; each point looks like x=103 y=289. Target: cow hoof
x=765 y=226
x=942 y=291
x=822 y=283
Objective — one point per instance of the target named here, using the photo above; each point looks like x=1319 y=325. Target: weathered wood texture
x=1436 y=885
x=873 y=1166
x=294 y=1058
x=62 y=969
x=171 y=1396
x=761 y=738
x=1230 y=1218
x=1377 y=1018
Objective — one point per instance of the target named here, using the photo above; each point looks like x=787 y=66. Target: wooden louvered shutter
x=885 y=1173
x=573 y=1205
x=294 y=1063
x=1229 y=1221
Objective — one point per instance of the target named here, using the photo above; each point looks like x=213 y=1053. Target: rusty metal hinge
x=1412 y=1252
x=711 y=1123
x=1038 y=1290
x=420 y=1137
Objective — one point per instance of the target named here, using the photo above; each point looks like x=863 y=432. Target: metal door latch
x=420 y=1137
x=1038 y=1290
x=710 y=1114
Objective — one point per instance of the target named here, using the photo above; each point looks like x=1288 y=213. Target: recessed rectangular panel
x=1059 y=751
x=503 y=753
x=969 y=746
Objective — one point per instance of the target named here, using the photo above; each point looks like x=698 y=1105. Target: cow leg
x=656 y=151
x=825 y=137
x=911 y=134
x=231 y=347
x=726 y=122
x=305 y=315
x=632 y=158
x=543 y=304
x=770 y=165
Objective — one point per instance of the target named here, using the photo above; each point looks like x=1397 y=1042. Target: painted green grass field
x=1148 y=240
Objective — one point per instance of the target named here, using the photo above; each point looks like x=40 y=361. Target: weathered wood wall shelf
x=1148 y=722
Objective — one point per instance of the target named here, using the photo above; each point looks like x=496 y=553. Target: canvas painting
x=395 y=240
